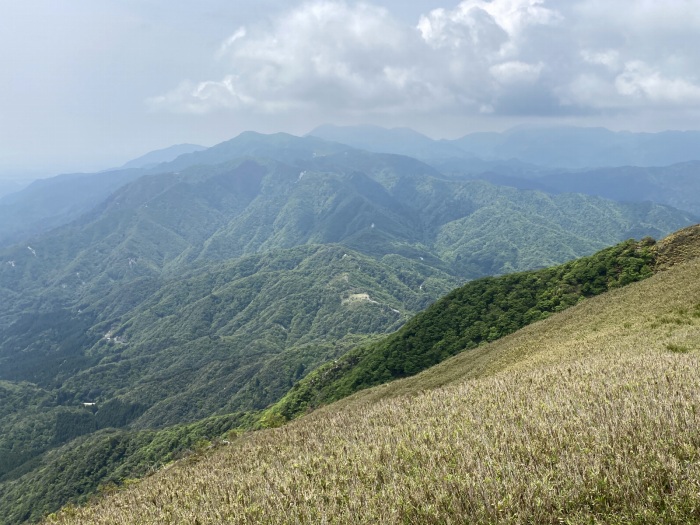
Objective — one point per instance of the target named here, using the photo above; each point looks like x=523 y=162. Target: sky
x=91 y=84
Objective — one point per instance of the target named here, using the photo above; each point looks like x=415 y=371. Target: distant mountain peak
x=159 y=156
x=399 y=141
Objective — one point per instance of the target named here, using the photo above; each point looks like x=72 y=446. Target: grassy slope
x=478 y=312
x=591 y=415
x=523 y=299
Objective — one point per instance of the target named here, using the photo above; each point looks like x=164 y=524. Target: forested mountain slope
x=212 y=289
x=589 y=415
x=377 y=204
x=477 y=313
x=467 y=316
x=52 y=202
x=55 y=201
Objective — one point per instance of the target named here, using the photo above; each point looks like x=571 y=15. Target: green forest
x=258 y=279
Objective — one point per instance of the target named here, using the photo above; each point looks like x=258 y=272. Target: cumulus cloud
x=640 y=81
x=479 y=56
x=491 y=26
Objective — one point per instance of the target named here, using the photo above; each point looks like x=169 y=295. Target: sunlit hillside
x=590 y=416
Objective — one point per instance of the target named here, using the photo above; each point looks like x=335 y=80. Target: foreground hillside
x=591 y=415
x=474 y=314
x=174 y=358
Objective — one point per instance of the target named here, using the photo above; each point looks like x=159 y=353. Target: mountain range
x=519 y=158
x=185 y=298
x=570 y=419
x=549 y=147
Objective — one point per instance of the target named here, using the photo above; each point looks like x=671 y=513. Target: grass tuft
x=676 y=348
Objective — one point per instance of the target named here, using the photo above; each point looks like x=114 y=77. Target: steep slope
x=478 y=312
x=548 y=291
x=588 y=416
x=482 y=311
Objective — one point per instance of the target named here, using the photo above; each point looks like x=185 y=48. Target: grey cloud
x=505 y=57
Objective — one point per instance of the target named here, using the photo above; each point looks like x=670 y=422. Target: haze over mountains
x=227 y=274
x=550 y=147
x=482 y=313
x=538 y=155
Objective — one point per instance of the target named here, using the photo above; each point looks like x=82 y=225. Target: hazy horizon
x=94 y=85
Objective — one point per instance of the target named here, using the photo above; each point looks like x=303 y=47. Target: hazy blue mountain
x=52 y=202
x=400 y=141
x=573 y=147
x=47 y=203
x=153 y=158
x=12 y=185
x=278 y=146
x=531 y=147
x=677 y=185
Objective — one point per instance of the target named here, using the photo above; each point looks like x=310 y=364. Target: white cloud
x=491 y=25
x=609 y=58
x=640 y=81
x=516 y=72
x=320 y=53
x=202 y=97
x=228 y=43
x=479 y=57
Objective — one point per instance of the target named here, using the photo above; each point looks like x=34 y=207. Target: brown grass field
x=591 y=416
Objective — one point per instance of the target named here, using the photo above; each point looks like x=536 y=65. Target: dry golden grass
x=680 y=246
x=592 y=416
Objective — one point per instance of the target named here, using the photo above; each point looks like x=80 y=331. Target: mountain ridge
x=552 y=147
x=58 y=200
x=227 y=283
x=553 y=404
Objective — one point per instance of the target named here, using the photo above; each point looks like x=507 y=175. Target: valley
x=350 y=262
x=590 y=414
x=241 y=286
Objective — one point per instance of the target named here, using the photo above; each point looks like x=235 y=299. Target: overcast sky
x=89 y=84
